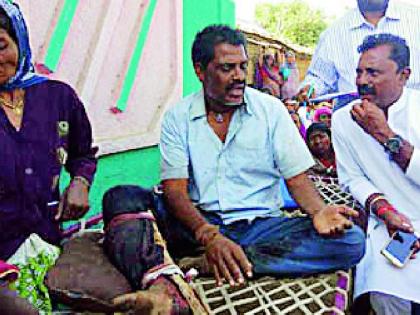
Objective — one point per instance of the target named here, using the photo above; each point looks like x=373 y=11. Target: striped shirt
x=333 y=66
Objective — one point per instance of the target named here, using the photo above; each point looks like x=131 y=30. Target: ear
x=405 y=74
x=199 y=71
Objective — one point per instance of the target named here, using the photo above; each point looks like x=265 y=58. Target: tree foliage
x=295 y=21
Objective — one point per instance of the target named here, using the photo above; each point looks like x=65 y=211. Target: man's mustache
x=236 y=85
x=366 y=89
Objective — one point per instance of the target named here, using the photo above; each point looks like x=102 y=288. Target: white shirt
x=333 y=66
x=364 y=168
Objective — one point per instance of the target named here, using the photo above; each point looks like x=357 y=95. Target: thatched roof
x=259 y=36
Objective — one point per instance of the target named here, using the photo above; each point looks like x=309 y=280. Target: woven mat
x=331 y=192
x=323 y=294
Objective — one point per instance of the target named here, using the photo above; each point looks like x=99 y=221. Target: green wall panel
x=60 y=33
x=197 y=14
x=141 y=167
x=138 y=167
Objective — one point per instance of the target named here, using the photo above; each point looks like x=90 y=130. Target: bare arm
x=305 y=194
x=225 y=257
x=279 y=57
x=383 y=209
x=328 y=220
x=180 y=205
x=394 y=220
x=403 y=158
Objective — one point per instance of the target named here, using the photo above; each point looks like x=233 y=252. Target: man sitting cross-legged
x=223 y=153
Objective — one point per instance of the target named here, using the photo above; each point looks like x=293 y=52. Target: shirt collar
x=399 y=104
x=358 y=20
x=198 y=107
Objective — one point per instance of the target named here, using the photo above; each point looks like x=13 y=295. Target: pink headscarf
x=320 y=111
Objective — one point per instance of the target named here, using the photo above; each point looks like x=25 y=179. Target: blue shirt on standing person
x=332 y=66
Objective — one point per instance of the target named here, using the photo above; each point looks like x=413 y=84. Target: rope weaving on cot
x=331 y=192
x=326 y=293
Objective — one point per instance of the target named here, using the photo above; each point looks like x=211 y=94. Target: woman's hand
x=74 y=202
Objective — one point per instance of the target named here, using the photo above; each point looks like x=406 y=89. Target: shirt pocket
x=250 y=150
x=251 y=137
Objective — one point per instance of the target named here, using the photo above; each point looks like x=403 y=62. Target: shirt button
x=29 y=171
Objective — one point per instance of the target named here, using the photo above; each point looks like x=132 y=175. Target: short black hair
x=209 y=37
x=400 y=52
x=6 y=24
x=317 y=126
x=123 y=199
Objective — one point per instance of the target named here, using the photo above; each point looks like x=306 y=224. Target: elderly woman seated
x=318 y=139
x=44 y=127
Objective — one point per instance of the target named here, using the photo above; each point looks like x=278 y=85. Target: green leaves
x=295 y=21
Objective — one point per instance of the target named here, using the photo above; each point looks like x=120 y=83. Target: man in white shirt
x=332 y=66
x=377 y=146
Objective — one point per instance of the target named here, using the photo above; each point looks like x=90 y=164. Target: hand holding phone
x=400 y=248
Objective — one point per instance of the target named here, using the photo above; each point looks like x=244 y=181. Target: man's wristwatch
x=394 y=144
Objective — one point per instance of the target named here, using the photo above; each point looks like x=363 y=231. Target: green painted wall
x=131 y=74
x=141 y=166
x=197 y=15
x=60 y=33
x=138 y=167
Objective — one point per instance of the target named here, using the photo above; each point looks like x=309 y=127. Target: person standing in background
x=290 y=73
x=332 y=66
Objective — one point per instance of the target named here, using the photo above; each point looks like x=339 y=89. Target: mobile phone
x=399 y=248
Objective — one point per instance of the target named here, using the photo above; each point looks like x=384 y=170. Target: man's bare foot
x=199 y=263
x=154 y=301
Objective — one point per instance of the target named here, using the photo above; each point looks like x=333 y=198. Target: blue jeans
x=277 y=246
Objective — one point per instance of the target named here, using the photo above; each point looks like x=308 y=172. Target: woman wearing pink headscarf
x=323 y=115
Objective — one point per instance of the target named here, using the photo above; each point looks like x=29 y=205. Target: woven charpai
x=323 y=294
x=330 y=190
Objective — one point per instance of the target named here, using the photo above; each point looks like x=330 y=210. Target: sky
x=245 y=8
